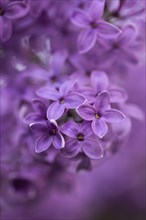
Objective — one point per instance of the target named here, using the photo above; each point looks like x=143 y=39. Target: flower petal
x=96 y=9
x=102 y=102
x=127 y=35
x=17 y=10
x=71 y=149
x=117 y=95
x=70 y=129
x=99 y=127
x=5 y=29
x=80 y=18
x=55 y=111
x=73 y=100
x=58 y=61
x=129 y=56
x=123 y=128
x=39 y=106
x=66 y=87
x=107 y=30
x=85 y=128
x=92 y=148
x=33 y=117
x=58 y=141
x=99 y=80
x=86 y=112
x=42 y=143
x=86 y=40
x=39 y=127
x=133 y=111
x=48 y=93
x=113 y=116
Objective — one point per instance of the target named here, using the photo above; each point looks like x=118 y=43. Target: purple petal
x=39 y=106
x=117 y=95
x=42 y=143
x=59 y=61
x=86 y=129
x=55 y=111
x=88 y=93
x=58 y=141
x=50 y=93
x=99 y=80
x=33 y=117
x=96 y=9
x=17 y=10
x=123 y=128
x=99 y=127
x=127 y=35
x=86 y=40
x=107 y=30
x=73 y=100
x=66 y=87
x=80 y=18
x=133 y=111
x=71 y=149
x=70 y=129
x=113 y=116
x=102 y=102
x=93 y=149
x=86 y=112
x=5 y=29
x=129 y=56
x=39 y=127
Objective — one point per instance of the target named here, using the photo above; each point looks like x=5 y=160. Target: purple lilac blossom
x=63 y=99
x=39 y=115
x=92 y=25
x=81 y=140
x=100 y=113
x=48 y=133
x=9 y=12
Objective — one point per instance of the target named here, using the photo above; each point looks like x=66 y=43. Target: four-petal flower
x=100 y=113
x=63 y=99
x=92 y=25
x=81 y=140
x=9 y=11
x=47 y=133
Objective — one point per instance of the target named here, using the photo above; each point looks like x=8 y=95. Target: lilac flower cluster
x=64 y=102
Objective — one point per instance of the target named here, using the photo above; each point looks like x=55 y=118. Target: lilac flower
x=126 y=9
x=63 y=99
x=81 y=140
x=57 y=67
x=100 y=82
x=100 y=113
x=120 y=49
x=93 y=26
x=47 y=133
x=40 y=112
x=10 y=11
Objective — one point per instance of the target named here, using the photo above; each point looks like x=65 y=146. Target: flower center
x=81 y=5
x=97 y=116
x=80 y=137
x=54 y=79
x=116 y=46
x=61 y=100
x=93 y=24
x=2 y=12
x=53 y=132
